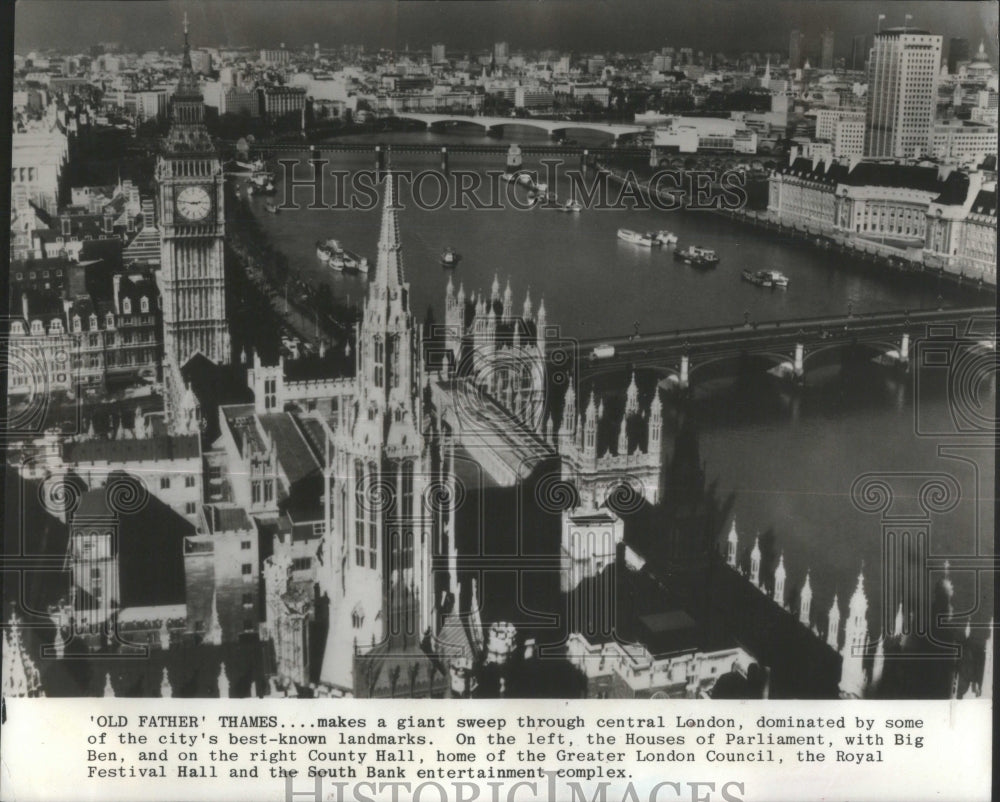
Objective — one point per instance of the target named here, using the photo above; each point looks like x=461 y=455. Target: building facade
x=902 y=93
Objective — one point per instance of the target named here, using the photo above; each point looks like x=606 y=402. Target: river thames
x=786 y=460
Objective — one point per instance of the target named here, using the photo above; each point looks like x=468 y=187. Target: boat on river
x=696 y=256
x=766 y=278
x=450 y=258
x=647 y=240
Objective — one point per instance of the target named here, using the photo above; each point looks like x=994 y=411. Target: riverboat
x=450 y=258
x=647 y=240
x=697 y=256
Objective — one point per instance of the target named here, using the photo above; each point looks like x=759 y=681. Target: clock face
x=193 y=203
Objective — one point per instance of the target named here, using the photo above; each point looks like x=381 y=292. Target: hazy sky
x=581 y=25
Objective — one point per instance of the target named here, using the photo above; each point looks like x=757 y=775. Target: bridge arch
x=829 y=353
x=497 y=123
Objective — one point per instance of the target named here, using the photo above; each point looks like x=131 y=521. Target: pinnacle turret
x=632 y=397
x=805 y=601
x=389 y=269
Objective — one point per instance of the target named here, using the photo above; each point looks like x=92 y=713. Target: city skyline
x=640 y=438
x=717 y=27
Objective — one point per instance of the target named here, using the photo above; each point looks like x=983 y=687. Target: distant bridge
x=789 y=346
x=614 y=130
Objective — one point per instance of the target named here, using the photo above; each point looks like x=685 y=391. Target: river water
x=785 y=460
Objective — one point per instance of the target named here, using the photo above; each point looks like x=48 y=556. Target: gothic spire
x=187 y=84
x=389 y=270
x=186 y=63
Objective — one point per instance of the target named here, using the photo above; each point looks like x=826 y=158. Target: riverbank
x=886 y=257
x=306 y=308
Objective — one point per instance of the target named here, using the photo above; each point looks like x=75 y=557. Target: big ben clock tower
x=192 y=226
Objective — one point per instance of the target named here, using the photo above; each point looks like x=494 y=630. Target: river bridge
x=786 y=347
x=497 y=124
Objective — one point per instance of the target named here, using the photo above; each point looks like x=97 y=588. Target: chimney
x=116 y=282
x=24 y=305
x=66 y=226
x=108 y=223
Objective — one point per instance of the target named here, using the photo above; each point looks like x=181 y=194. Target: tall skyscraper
x=902 y=93
x=826 y=51
x=501 y=53
x=795 y=41
x=438 y=54
x=859 y=52
x=958 y=51
x=192 y=225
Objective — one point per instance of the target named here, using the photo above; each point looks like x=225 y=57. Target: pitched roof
x=119 y=452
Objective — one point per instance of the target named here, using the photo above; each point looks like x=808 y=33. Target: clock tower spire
x=192 y=227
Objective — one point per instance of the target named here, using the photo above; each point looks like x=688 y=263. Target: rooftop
x=119 y=452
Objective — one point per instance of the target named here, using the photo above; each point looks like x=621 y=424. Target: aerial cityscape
x=459 y=369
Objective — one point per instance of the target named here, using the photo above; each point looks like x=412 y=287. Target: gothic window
x=127 y=306
x=255 y=492
x=270 y=393
x=56 y=327
x=379 y=348
x=359 y=513
x=77 y=325
x=93 y=322
x=406 y=491
x=110 y=320
x=268 y=491
x=36 y=327
x=144 y=304
x=357 y=617
x=395 y=361
x=406 y=558
x=372 y=523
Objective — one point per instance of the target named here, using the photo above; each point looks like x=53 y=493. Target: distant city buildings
x=691 y=134
x=796 y=42
x=859 y=52
x=275 y=58
x=37 y=161
x=958 y=53
x=826 y=50
x=280 y=101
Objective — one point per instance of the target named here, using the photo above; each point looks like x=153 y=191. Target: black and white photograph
x=549 y=351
